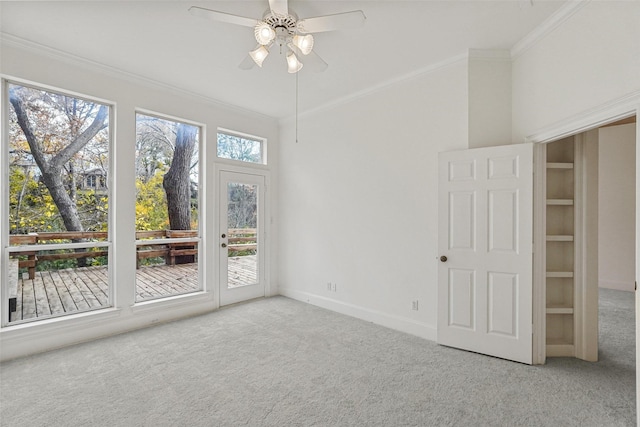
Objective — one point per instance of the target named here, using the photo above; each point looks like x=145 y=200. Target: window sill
x=173 y=301
x=57 y=323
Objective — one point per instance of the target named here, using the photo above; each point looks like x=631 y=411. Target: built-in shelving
x=560 y=239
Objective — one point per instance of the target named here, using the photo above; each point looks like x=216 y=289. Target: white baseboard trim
x=398 y=323
x=620 y=286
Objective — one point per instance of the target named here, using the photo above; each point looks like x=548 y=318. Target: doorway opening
x=589 y=253
x=616 y=240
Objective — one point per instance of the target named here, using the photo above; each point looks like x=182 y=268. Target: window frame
x=5 y=247
x=263 y=148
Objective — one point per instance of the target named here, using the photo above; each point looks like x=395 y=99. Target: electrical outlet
x=329 y=286
x=334 y=287
x=414 y=305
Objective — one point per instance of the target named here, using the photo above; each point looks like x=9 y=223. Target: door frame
x=266 y=224
x=619 y=109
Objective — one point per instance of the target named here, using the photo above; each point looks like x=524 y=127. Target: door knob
x=443 y=258
x=224 y=245
x=223 y=235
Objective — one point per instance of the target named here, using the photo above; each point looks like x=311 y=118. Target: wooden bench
x=14 y=271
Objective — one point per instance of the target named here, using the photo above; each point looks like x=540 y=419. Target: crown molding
x=612 y=111
x=479 y=54
x=490 y=54
x=563 y=14
x=380 y=86
x=66 y=57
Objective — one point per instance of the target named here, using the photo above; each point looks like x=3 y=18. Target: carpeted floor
x=279 y=362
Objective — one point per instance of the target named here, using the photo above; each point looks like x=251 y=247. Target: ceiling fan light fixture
x=259 y=54
x=293 y=64
x=264 y=33
x=304 y=43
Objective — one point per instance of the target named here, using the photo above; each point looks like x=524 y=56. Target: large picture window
x=167 y=207
x=58 y=204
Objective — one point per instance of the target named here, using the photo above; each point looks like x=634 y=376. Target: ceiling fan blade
x=247 y=63
x=314 y=62
x=228 y=18
x=339 y=21
x=279 y=7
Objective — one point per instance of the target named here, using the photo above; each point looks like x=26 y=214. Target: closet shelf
x=559 y=310
x=559 y=273
x=559 y=238
x=558 y=165
x=560 y=350
x=560 y=202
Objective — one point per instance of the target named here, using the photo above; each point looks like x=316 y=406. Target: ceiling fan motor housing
x=283 y=25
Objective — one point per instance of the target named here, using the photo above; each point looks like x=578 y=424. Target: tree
x=54 y=151
x=176 y=183
x=237 y=148
x=242 y=206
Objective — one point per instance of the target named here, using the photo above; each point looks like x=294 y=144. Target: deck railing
x=172 y=245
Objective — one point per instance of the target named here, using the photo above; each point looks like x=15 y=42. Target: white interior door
x=242 y=248
x=485 y=243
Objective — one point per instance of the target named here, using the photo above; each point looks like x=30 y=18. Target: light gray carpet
x=279 y=362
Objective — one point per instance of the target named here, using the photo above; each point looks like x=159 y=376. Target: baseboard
x=398 y=323
x=620 y=286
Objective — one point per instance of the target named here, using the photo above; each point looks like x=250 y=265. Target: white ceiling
x=162 y=41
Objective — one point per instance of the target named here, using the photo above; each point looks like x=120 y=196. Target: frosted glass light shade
x=264 y=33
x=304 y=43
x=293 y=64
x=258 y=55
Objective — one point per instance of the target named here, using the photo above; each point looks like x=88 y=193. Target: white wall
x=359 y=199
x=590 y=60
x=617 y=207
x=46 y=67
x=489 y=98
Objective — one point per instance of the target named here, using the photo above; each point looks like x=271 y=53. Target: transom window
x=239 y=147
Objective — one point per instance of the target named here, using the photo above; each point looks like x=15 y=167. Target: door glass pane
x=242 y=220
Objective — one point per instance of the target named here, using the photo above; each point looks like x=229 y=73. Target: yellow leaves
x=151 y=205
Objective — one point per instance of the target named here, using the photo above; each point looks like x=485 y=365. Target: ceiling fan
x=280 y=26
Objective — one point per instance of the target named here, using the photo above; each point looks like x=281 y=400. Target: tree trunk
x=177 y=185
x=52 y=168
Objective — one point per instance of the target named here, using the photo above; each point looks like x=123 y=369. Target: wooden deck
x=59 y=292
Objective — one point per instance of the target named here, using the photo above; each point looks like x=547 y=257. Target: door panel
x=485 y=275
x=241 y=260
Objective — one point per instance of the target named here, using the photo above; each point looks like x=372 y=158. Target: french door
x=485 y=272
x=241 y=237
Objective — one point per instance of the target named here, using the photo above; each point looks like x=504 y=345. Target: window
x=167 y=207
x=243 y=148
x=58 y=222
